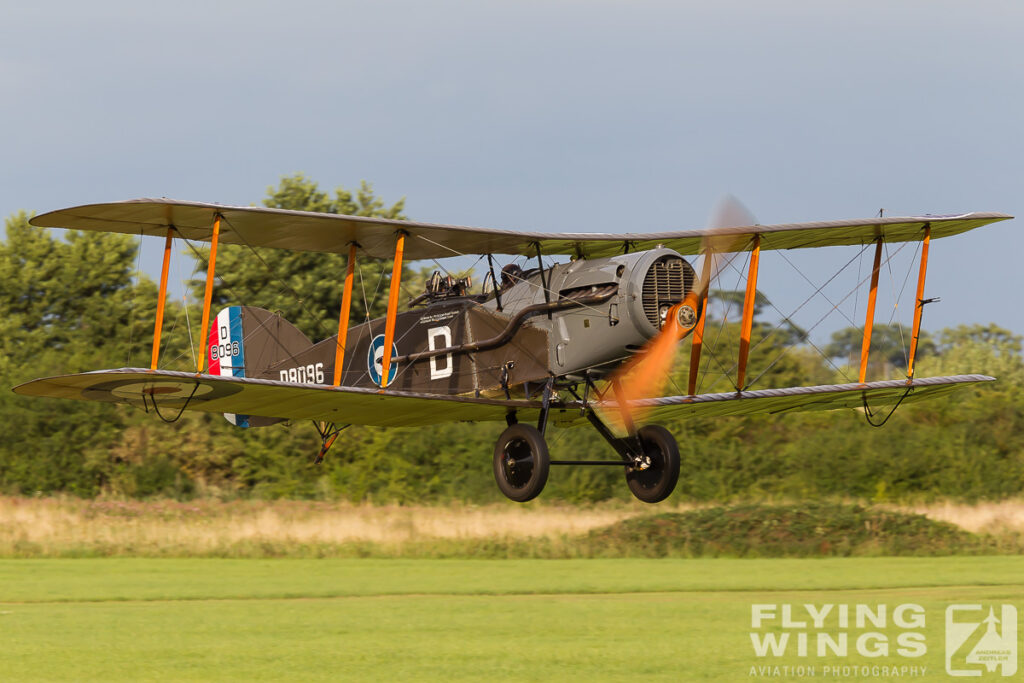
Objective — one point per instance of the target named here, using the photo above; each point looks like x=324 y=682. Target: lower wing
x=868 y=396
x=170 y=392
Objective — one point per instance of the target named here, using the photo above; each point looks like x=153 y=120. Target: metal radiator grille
x=666 y=283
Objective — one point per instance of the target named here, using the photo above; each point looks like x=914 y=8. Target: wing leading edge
x=349 y=405
x=306 y=231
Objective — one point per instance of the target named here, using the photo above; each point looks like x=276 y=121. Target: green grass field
x=210 y=619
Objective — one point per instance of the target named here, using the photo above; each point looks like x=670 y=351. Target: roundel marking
x=375 y=360
x=164 y=391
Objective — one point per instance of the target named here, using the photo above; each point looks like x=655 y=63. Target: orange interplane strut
x=698 y=332
x=919 y=303
x=211 y=270
x=748 y=313
x=869 y=320
x=389 y=325
x=346 y=309
x=158 y=327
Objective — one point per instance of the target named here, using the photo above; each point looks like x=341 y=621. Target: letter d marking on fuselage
x=445 y=334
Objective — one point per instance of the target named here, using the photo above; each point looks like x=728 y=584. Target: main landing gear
x=655 y=477
x=650 y=458
x=521 y=462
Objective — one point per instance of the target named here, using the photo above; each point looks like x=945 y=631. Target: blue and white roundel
x=375 y=360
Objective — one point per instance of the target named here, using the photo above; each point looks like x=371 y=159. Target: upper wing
x=307 y=231
x=171 y=391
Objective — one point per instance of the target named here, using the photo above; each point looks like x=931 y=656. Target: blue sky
x=557 y=115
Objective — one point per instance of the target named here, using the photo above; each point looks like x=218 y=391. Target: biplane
x=585 y=340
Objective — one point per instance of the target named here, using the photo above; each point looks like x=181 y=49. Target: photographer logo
x=981 y=641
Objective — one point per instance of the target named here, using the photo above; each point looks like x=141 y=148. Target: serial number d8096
x=219 y=351
x=304 y=374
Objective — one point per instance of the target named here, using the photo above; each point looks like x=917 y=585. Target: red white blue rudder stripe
x=227 y=352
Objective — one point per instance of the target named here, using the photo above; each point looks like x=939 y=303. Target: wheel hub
x=642 y=462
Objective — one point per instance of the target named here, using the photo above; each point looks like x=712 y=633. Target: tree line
x=75 y=301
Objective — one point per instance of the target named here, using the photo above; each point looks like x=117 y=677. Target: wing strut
x=920 y=301
x=158 y=327
x=869 y=319
x=698 y=332
x=346 y=310
x=540 y=267
x=494 y=283
x=389 y=325
x=748 y=313
x=211 y=270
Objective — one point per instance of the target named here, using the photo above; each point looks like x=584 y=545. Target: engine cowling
x=647 y=284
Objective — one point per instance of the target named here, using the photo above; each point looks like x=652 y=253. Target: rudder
x=244 y=342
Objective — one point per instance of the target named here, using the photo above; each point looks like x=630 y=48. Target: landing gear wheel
x=521 y=462
x=654 y=483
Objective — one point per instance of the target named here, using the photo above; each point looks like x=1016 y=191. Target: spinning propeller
x=646 y=374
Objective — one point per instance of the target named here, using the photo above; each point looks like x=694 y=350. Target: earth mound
x=794 y=530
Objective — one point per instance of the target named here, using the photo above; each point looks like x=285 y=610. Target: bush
x=805 y=530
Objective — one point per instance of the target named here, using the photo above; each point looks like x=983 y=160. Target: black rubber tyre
x=521 y=462
x=654 y=484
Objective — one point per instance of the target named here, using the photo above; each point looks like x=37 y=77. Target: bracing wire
x=134 y=298
x=867 y=410
x=789 y=318
x=225 y=286
x=896 y=302
x=829 y=301
x=709 y=348
x=318 y=319
x=835 y=307
x=184 y=302
x=856 y=303
x=156 y=408
x=366 y=304
x=176 y=267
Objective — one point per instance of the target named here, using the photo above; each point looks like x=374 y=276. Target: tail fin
x=244 y=342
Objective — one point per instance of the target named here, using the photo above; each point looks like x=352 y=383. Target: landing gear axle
x=650 y=458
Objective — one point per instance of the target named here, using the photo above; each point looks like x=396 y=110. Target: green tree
x=728 y=303
x=731 y=300
x=66 y=305
x=991 y=336
x=890 y=345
